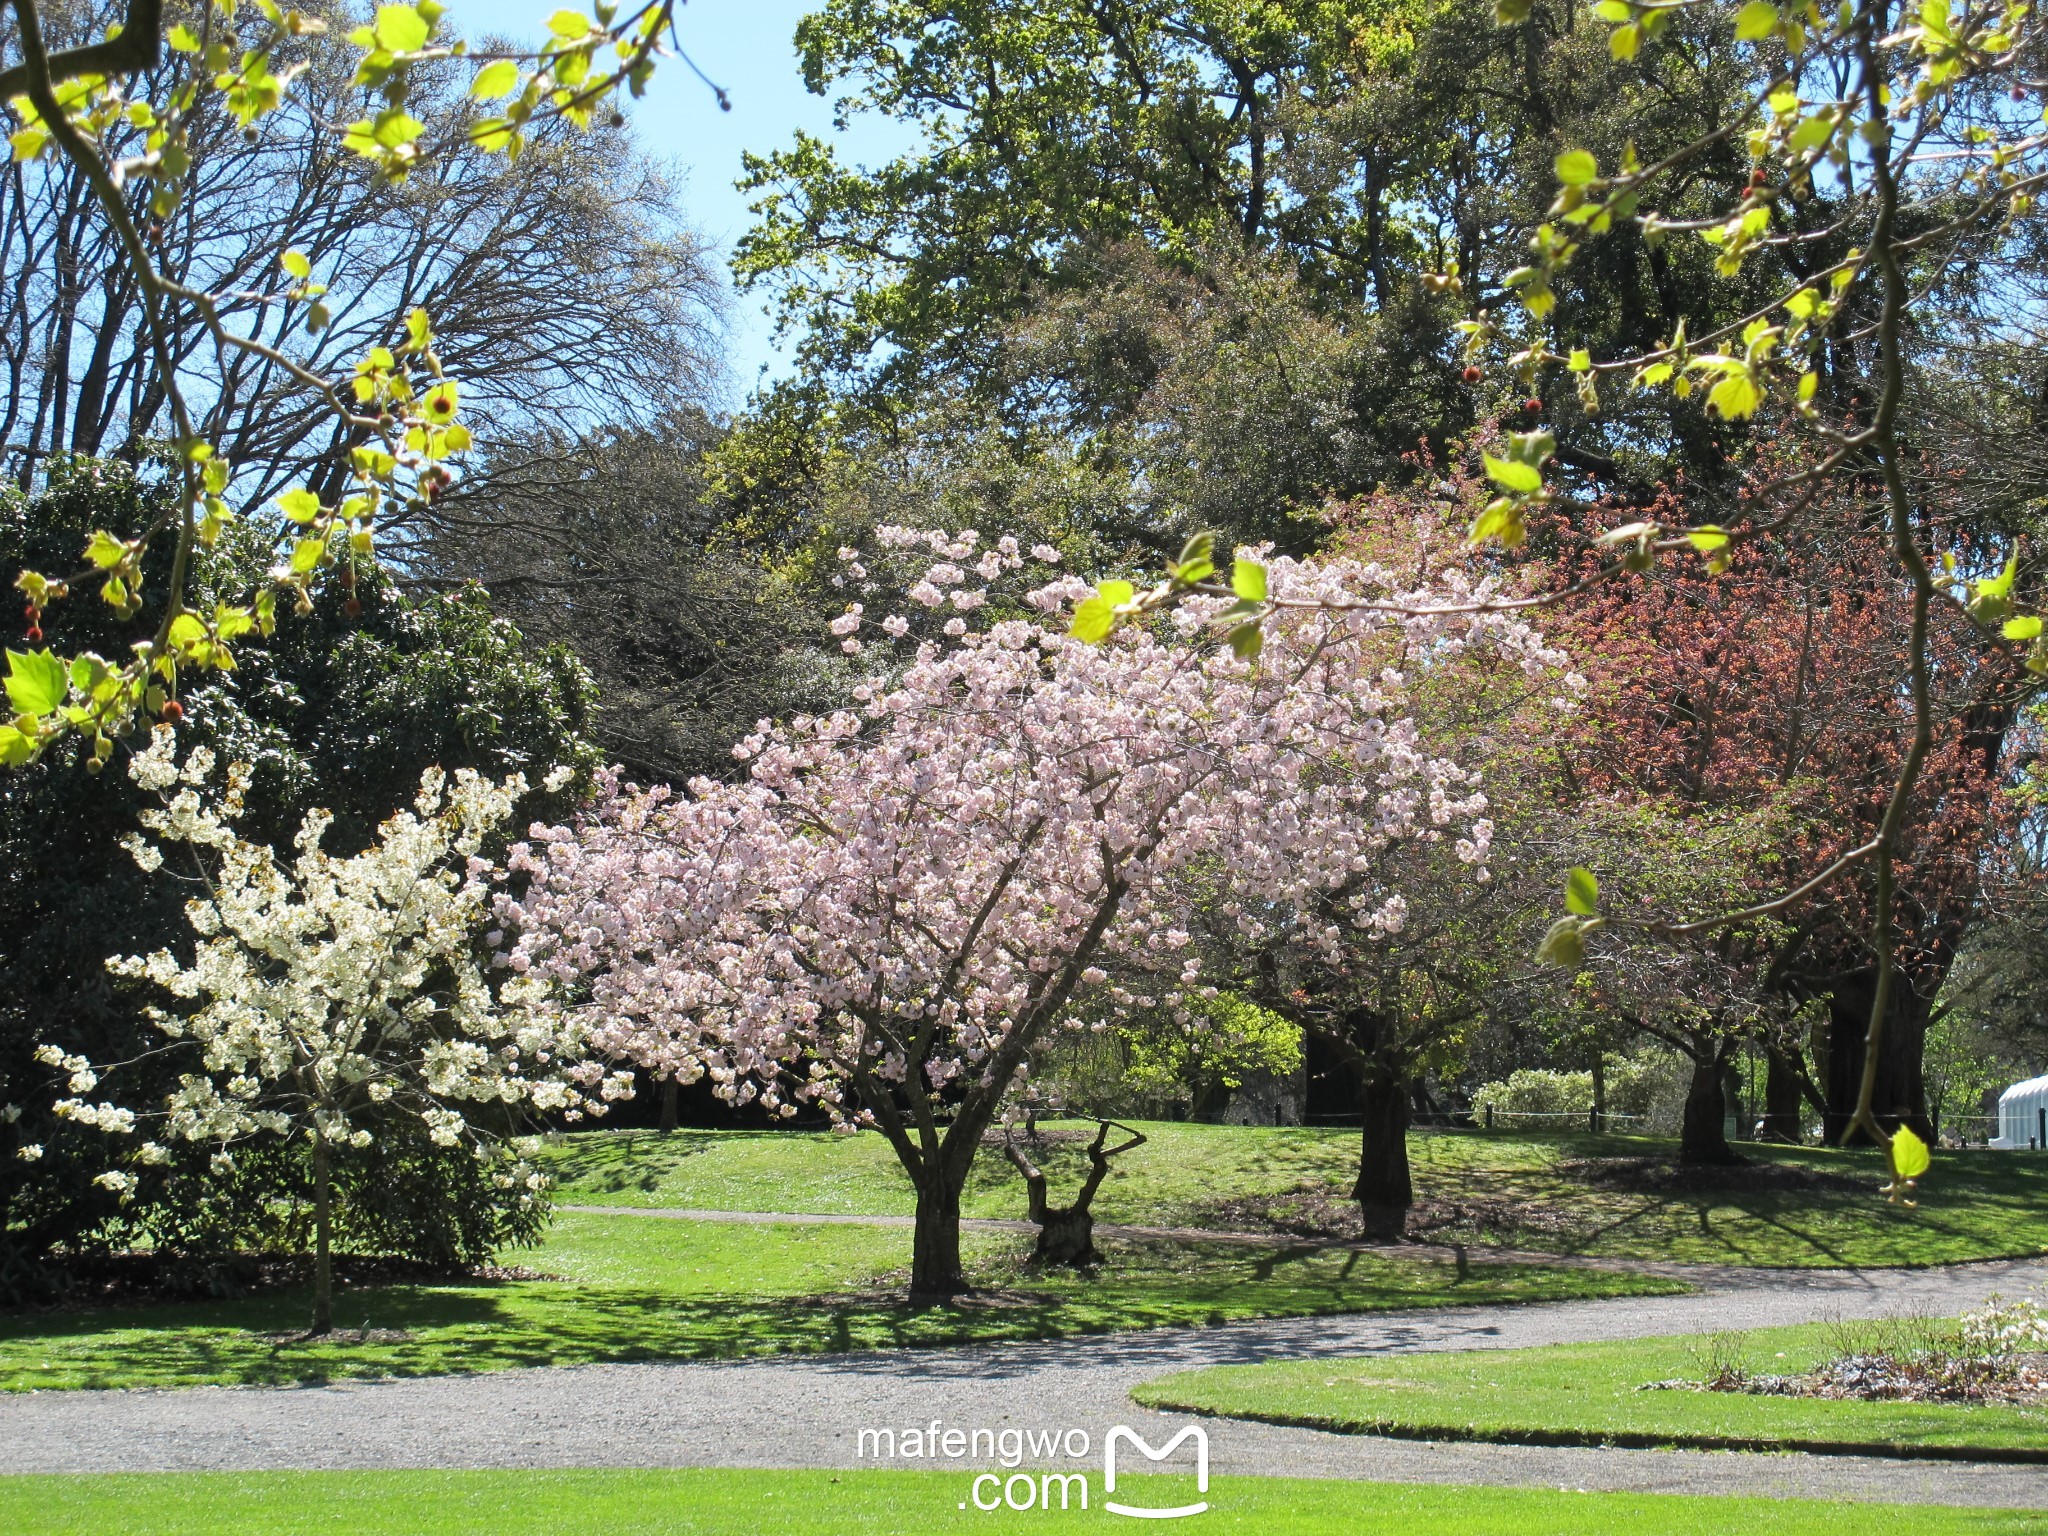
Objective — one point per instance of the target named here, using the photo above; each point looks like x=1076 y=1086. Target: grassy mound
x=1608 y=1196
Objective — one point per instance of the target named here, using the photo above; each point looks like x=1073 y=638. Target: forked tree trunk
x=1384 y=1190
x=1066 y=1233
x=1703 y=1135
x=323 y=1240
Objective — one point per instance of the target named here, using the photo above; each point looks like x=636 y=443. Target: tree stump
x=1066 y=1233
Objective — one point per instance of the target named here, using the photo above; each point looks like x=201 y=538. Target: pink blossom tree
x=902 y=898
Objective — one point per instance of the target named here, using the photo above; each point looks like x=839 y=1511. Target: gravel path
x=807 y=1411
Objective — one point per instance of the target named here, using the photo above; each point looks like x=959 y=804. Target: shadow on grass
x=429 y=1330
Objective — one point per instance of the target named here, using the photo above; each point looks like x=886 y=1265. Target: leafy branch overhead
x=130 y=136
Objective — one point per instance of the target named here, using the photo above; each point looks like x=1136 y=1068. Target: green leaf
x=1564 y=945
x=294 y=262
x=495 y=80
x=401 y=29
x=1200 y=547
x=1513 y=475
x=15 y=748
x=1811 y=134
x=1737 y=396
x=1115 y=593
x=36 y=683
x=569 y=24
x=301 y=505
x=1758 y=19
x=306 y=554
x=1246 y=640
x=2026 y=627
x=1248 y=580
x=1706 y=538
x=104 y=550
x=1576 y=167
x=183 y=39
x=1094 y=618
x=1581 y=361
x=1910 y=1157
x=1581 y=892
x=1195 y=570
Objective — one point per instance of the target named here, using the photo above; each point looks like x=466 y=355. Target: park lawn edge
x=1571 y=1395
x=1625 y=1440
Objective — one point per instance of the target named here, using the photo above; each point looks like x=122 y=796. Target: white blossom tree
x=326 y=996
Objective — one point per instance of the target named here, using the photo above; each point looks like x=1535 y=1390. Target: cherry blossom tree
x=902 y=898
x=327 y=996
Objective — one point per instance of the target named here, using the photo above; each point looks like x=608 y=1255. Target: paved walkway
x=808 y=1411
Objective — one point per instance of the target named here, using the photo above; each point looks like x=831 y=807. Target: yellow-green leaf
x=1707 y=538
x=294 y=262
x=1115 y=593
x=1758 y=19
x=36 y=683
x=1094 y=618
x=1910 y=1157
x=569 y=24
x=1576 y=167
x=400 y=28
x=1512 y=475
x=1581 y=892
x=495 y=80
x=2026 y=626
x=1248 y=580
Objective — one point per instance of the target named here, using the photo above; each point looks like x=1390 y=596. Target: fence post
x=1489 y=1117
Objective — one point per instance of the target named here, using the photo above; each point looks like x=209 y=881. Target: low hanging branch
x=1066 y=1233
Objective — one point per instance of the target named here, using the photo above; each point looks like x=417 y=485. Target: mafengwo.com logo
x=1020 y=1490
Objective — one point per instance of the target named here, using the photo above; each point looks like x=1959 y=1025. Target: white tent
x=2023 y=1115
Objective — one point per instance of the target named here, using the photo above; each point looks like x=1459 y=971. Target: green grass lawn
x=1590 y=1394
x=634 y=1289
x=1505 y=1188
x=699 y=1503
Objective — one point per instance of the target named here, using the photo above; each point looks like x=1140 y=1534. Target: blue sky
x=748 y=47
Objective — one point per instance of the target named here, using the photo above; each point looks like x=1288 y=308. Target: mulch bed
x=1659 y=1176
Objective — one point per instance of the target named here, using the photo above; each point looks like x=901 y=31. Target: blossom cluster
x=900 y=896
x=325 y=994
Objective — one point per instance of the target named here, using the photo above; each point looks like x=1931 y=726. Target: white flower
x=120 y=1183
x=30 y=1153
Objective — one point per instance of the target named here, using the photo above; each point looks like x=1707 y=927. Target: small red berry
x=1532 y=405
x=173 y=711
x=1756 y=177
x=31 y=612
x=35 y=634
x=1473 y=374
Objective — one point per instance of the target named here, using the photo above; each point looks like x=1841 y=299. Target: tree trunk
x=1599 y=1092
x=1384 y=1190
x=323 y=1240
x=1703 y=1137
x=935 y=1268
x=668 y=1105
x=1901 y=1093
x=1783 y=1116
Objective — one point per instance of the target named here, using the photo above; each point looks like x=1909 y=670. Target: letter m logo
x=1137 y=1441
